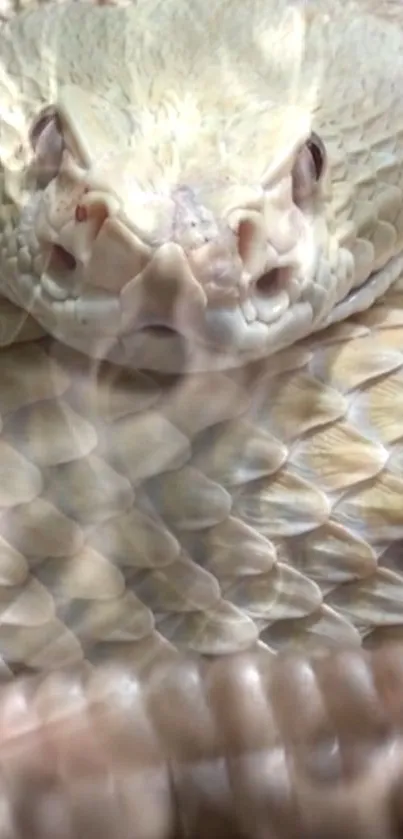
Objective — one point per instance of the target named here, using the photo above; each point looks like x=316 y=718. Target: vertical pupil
x=315 y=150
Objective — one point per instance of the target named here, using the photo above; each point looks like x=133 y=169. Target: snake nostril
x=81 y=213
x=61 y=260
x=251 y=241
x=92 y=209
x=160 y=331
x=245 y=237
x=268 y=282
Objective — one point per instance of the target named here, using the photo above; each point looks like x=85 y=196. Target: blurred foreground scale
x=141 y=515
x=207 y=750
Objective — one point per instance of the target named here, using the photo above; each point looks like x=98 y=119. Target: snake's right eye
x=317 y=150
x=47 y=142
x=309 y=168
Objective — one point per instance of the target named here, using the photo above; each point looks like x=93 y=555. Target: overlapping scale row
x=207 y=749
x=211 y=512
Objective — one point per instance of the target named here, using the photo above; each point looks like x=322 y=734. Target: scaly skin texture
x=246 y=511
x=206 y=512
x=144 y=512
x=207 y=750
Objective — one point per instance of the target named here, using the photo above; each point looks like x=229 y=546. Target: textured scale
x=207 y=749
x=140 y=514
x=291 y=65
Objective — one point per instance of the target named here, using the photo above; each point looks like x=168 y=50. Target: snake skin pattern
x=143 y=514
x=207 y=750
x=237 y=515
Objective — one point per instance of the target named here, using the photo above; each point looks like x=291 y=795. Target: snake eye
x=317 y=150
x=308 y=168
x=47 y=117
x=47 y=142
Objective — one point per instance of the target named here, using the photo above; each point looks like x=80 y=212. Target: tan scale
x=293 y=535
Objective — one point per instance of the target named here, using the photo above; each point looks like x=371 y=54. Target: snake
x=201 y=356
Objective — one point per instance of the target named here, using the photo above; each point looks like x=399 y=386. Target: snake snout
x=166 y=273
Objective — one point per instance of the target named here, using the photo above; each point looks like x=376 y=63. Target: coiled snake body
x=170 y=478
x=201 y=373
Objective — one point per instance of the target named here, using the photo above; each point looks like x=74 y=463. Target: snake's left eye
x=317 y=150
x=309 y=168
x=47 y=143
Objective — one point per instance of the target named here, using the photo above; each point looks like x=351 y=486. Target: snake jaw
x=100 y=284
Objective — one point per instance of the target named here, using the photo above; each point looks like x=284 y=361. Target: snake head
x=175 y=267
x=174 y=227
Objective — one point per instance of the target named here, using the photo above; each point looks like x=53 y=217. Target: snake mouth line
x=62 y=288
x=362 y=297
x=160 y=331
x=154 y=318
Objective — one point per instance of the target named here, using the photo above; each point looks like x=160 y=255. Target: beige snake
x=201 y=373
x=144 y=511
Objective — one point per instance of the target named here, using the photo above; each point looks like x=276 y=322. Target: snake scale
x=201 y=364
x=186 y=755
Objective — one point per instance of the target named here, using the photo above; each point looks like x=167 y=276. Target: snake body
x=207 y=751
x=241 y=484
x=201 y=420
